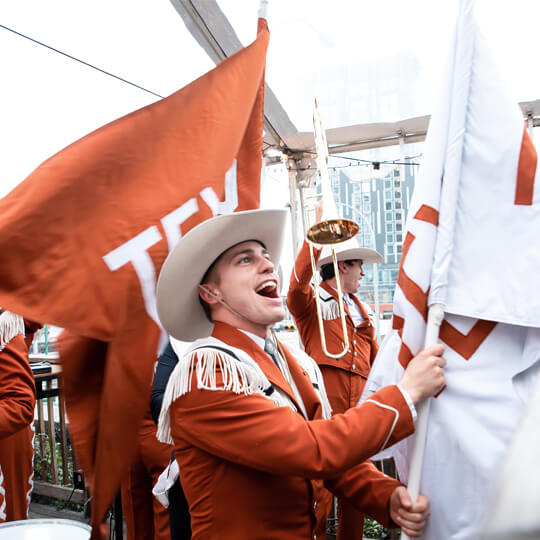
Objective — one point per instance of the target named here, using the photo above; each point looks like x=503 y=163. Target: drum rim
x=46 y=521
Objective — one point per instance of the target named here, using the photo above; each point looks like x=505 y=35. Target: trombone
x=332 y=229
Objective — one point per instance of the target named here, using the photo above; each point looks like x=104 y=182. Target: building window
x=388 y=195
x=389 y=227
x=398 y=216
x=399 y=237
x=398 y=205
x=389 y=237
x=398 y=226
x=388 y=184
x=389 y=206
x=399 y=249
x=390 y=250
x=388 y=216
x=396 y=173
x=397 y=193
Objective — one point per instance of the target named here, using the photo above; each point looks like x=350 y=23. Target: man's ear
x=209 y=293
x=342 y=267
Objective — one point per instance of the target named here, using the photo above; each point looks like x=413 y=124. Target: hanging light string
x=353 y=161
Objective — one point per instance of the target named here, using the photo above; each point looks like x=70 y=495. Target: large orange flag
x=85 y=235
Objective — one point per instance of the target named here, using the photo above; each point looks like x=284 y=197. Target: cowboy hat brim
x=367 y=255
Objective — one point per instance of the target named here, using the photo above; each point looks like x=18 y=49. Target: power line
x=81 y=61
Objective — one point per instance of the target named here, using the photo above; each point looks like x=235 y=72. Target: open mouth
x=268 y=289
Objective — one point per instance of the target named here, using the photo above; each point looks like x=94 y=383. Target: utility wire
x=81 y=61
x=108 y=73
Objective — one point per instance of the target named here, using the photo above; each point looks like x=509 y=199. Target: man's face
x=244 y=277
x=350 y=275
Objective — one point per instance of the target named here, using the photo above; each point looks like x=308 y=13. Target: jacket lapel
x=304 y=384
x=367 y=320
x=236 y=338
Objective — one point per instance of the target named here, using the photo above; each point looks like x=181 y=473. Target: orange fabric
x=252 y=470
x=128 y=189
x=17 y=402
x=466 y=344
x=526 y=171
x=412 y=291
x=344 y=388
x=428 y=214
x=146 y=518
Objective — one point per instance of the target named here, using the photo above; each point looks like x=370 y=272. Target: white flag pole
x=435 y=318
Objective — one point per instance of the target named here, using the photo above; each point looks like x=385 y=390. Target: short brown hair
x=327 y=270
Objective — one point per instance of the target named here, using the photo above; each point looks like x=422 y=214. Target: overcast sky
x=47 y=100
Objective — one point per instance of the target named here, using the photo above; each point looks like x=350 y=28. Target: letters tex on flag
x=471 y=246
x=89 y=229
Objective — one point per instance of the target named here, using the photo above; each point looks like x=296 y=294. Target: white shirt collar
x=257 y=339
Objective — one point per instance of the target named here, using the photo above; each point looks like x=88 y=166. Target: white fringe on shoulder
x=330 y=310
x=329 y=306
x=11 y=325
x=241 y=376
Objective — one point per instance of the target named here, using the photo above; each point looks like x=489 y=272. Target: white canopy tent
x=217 y=36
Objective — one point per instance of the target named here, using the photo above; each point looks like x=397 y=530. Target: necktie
x=270 y=350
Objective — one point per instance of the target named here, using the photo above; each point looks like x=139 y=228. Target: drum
x=45 y=529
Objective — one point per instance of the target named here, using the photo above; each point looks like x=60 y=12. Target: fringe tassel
x=312 y=369
x=330 y=310
x=11 y=325
x=238 y=377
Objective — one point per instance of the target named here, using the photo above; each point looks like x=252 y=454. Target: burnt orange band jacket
x=252 y=469
x=17 y=401
x=363 y=345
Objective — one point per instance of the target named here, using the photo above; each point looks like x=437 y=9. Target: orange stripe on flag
x=397 y=322
x=466 y=344
x=405 y=355
x=429 y=214
x=526 y=171
x=412 y=291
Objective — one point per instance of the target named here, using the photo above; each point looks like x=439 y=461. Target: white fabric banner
x=487 y=253
x=471 y=422
x=471 y=246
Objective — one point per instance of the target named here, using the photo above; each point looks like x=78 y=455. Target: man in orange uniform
x=249 y=419
x=344 y=377
x=17 y=402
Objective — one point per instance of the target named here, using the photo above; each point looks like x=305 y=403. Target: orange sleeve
x=252 y=431
x=17 y=388
x=300 y=298
x=367 y=489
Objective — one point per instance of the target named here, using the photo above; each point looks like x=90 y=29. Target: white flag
x=471 y=245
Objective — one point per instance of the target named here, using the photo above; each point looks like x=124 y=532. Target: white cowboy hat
x=348 y=250
x=178 y=306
